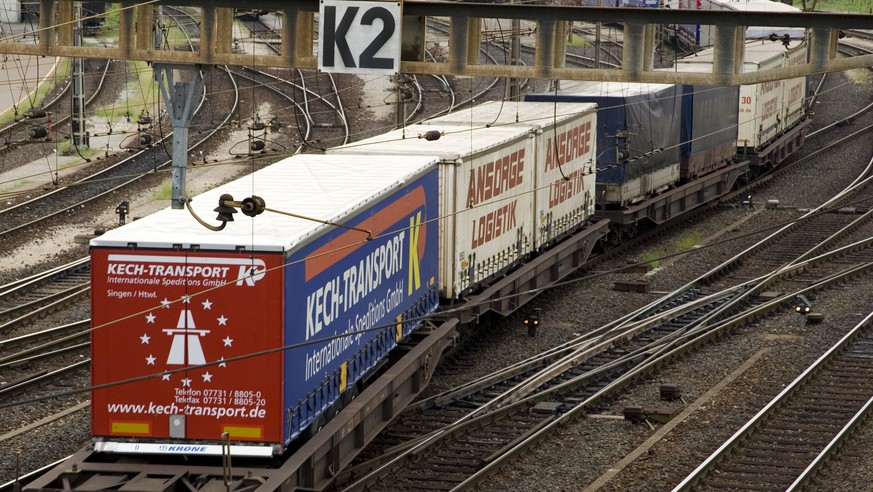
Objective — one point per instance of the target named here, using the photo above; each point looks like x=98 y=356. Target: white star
x=186 y=382
x=223 y=364
x=150 y=360
x=145 y=339
x=165 y=377
x=186 y=299
x=165 y=303
x=222 y=321
x=207 y=378
x=207 y=304
x=150 y=318
x=228 y=342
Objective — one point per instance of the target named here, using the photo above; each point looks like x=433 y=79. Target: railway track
x=314 y=99
x=21 y=131
x=23 y=299
x=382 y=465
x=103 y=183
x=474 y=402
x=27 y=352
x=783 y=446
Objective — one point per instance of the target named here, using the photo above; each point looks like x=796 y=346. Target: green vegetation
x=38 y=95
x=176 y=36
x=9 y=186
x=652 y=258
x=109 y=27
x=578 y=41
x=862 y=6
x=136 y=94
x=66 y=148
x=690 y=240
x=858 y=75
x=166 y=191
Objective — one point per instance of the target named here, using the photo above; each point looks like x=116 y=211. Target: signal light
x=802 y=305
x=532 y=322
x=145 y=139
x=257 y=145
x=122 y=210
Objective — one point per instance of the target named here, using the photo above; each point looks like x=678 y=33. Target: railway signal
x=532 y=322
x=803 y=307
x=121 y=211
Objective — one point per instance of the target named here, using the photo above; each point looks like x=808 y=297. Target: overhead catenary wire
x=386 y=326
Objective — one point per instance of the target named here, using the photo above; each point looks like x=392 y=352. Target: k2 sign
x=359 y=37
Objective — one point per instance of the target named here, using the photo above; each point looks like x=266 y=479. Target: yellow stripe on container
x=143 y=428
x=344 y=376
x=244 y=432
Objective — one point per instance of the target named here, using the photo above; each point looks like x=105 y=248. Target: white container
x=795 y=90
x=767 y=109
x=564 y=159
x=486 y=196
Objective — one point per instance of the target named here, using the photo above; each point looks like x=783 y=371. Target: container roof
x=457 y=142
x=326 y=187
x=500 y=113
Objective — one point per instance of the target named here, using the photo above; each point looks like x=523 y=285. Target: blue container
x=349 y=301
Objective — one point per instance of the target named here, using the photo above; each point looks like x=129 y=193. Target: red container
x=146 y=327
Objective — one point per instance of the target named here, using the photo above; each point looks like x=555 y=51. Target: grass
x=109 y=27
x=136 y=93
x=858 y=76
x=686 y=242
x=166 y=191
x=578 y=41
x=652 y=258
x=176 y=36
x=689 y=240
x=66 y=148
x=63 y=70
x=862 y=6
x=17 y=184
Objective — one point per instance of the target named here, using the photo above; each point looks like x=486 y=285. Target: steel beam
x=136 y=25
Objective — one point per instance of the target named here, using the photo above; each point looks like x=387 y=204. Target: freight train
x=664 y=149
x=256 y=330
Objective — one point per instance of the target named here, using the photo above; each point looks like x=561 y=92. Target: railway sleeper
x=748 y=467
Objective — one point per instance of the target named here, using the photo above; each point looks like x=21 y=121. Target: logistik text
x=495 y=177
x=568 y=146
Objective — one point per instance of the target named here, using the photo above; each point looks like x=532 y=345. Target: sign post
x=359 y=37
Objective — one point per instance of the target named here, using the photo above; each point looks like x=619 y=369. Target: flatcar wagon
x=340 y=267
